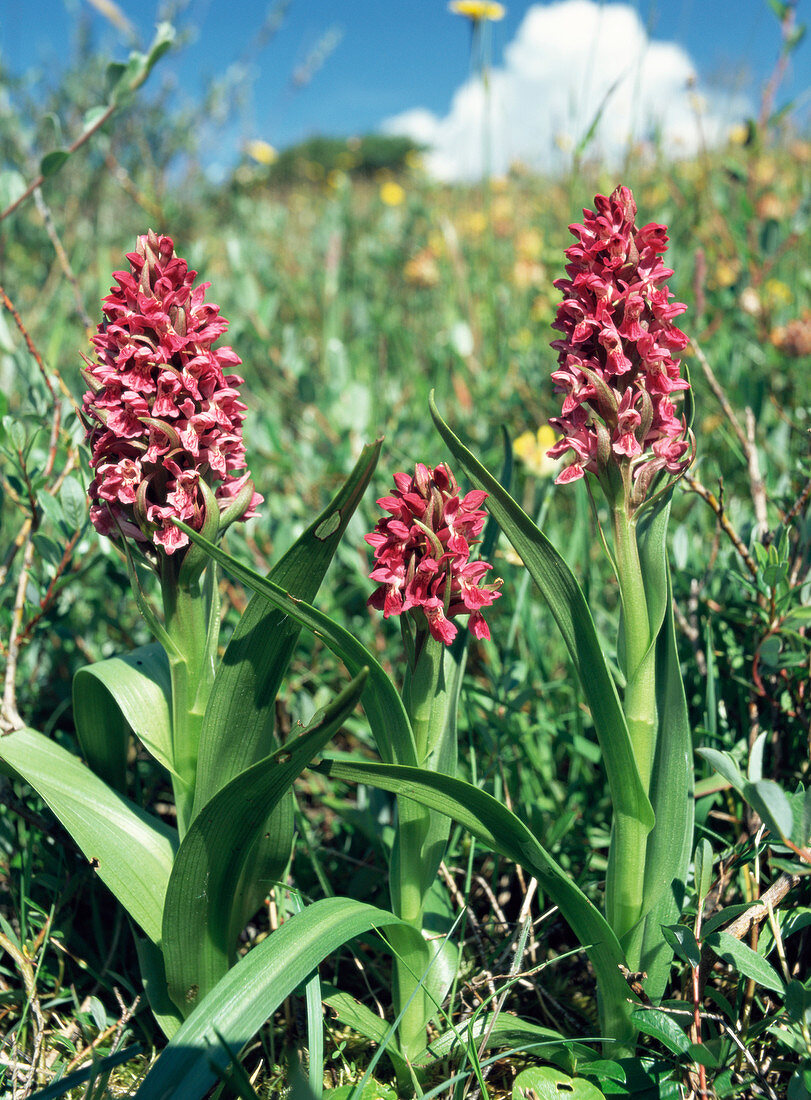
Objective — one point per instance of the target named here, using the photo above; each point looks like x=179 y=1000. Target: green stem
x=627 y=861
x=425 y=696
x=191 y=613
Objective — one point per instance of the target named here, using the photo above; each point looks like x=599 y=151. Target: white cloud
x=569 y=59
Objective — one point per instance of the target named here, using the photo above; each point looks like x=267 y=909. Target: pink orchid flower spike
x=422 y=554
x=618 y=358
x=163 y=418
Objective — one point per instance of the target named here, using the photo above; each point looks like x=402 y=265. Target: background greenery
x=355 y=285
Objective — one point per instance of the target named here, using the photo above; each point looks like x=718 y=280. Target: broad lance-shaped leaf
x=250 y=993
x=381 y=701
x=499 y=828
x=248 y=677
x=670 y=842
x=119 y=695
x=197 y=948
x=131 y=850
x=254 y=663
x=559 y=587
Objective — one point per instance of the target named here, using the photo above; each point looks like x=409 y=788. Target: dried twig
x=746 y=439
x=756 y=485
x=62 y=256
x=77 y=144
x=717 y=506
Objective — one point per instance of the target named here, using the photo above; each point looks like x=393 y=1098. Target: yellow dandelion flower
x=478 y=10
x=262 y=152
x=391 y=193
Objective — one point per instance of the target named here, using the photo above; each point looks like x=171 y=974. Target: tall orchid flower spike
x=162 y=416
x=164 y=424
x=618 y=369
x=618 y=359
x=422 y=554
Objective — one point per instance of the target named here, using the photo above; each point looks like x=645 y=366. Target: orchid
x=618 y=360
x=163 y=417
x=422 y=554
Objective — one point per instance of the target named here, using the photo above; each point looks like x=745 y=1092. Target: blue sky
x=391 y=58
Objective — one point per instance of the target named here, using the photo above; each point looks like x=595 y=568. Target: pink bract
x=161 y=412
x=618 y=360
x=422 y=553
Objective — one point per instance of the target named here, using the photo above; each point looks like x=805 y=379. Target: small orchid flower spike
x=422 y=554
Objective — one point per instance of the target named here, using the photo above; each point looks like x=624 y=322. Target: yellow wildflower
x=529 y=244
x=531 y=448
x=475 y=223
x=776 y=293
x=738 y=134
x=478 y=10
x=391 y=193
x=262 y=152
x=726 y=273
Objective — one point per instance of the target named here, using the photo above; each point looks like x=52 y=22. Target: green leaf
x=119 y=695
x=131 y=850
x=251 y=991
x=724 y=916
x=153 y=975
x=52 y=162
x=201 y=893
x=682 y=941
x=46 y=547
x=754 y=770
x=507 y=1031
x=73 y=499
x=726 y=765
x=125 y=79
x=703 y=1055
x=91 y=117
x=702 y=866
x=164 y=38
x=659 y=1025
x=798 y=1001
x=670 y=842
x=547 y=1083
x=744 y=960
x=559 y=587
x=249 y=675
x=365 y=1022
x=771 y=802
x=12 y=185
x=381 y=700
x=497 y=827
x=254 y=663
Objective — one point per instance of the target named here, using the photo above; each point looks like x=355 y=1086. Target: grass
x=347 y=312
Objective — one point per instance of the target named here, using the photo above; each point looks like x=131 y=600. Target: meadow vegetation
x=351 y=295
